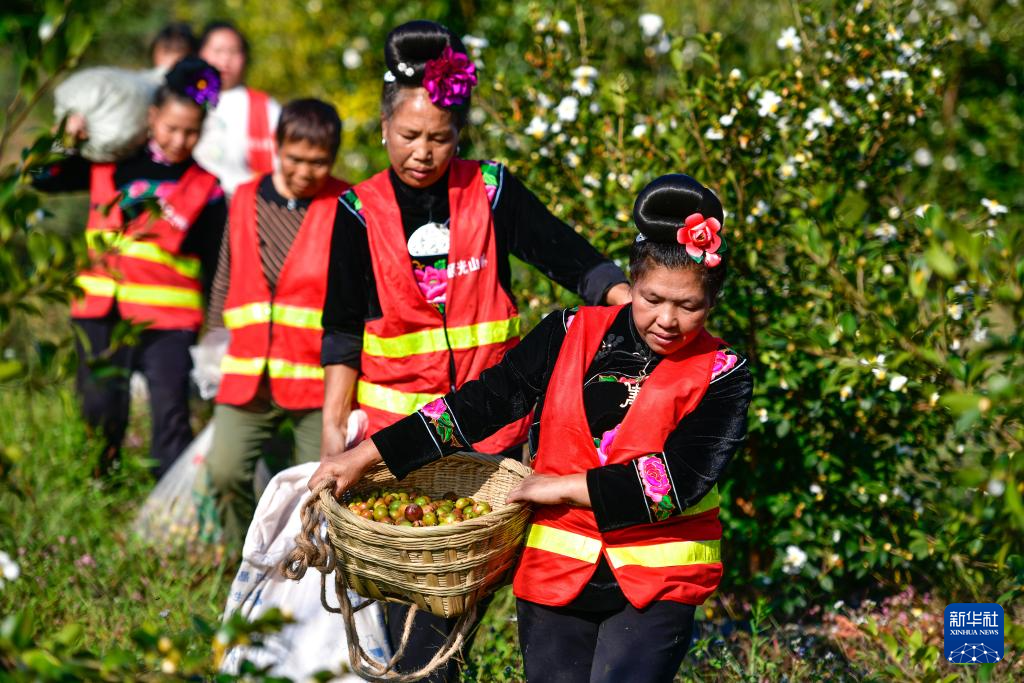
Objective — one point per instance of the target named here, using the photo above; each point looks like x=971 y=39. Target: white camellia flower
x=923 y=156
x=897 y=382
x=886 y=232
x=815 y=490
x=883 y=498
x=714 y=134
x=762 y=415
x=845 y=392
x=538 y=128
x=896 y=75
x=996 y=487
x=994 y=207
x=639 y=130
x=836 y=535
x=794 y=561
x=572 y=160
x=789 y=40
x=9 y=569
x=888 y=270
x=819 y=116
x=650 y=24
x=591 y=181
x=568 y=109
x=768 y=103
x=351 y=58
x=563 y=27
x=583 y=78
x=858 y=83
x=46 y=30
x=475 y=43
x=727 y=119
x=735 y=75
x=787 y=171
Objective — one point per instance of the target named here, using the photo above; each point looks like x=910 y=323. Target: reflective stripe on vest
x=276 y=368
x=157 y=295
x=391 y=400
x=576 y=546
x=673 y=554
x=281 y=314
x=96 y=286
x=587 y=549
x=433 y=340
x=123 y=245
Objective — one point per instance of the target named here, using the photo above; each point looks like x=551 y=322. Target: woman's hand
x=546 y=489
x=347 y=468
x=619 y=294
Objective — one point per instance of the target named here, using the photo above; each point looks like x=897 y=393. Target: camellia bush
x=881 y=313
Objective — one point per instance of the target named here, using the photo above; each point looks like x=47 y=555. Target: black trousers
x=163 y=359
x=566 y=645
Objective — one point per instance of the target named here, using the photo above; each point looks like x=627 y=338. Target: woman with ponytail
x=639 y=410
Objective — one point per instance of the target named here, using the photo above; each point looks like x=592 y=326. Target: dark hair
x=190 y=81
x=176 y=36
x=311 y=120
x=222 y=25
x=413 y=44
x=659 y=212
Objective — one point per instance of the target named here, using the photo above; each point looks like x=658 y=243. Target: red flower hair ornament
x=701 y=238
x=450 y=78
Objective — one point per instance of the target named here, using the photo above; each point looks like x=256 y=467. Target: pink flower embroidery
x=655 y=478
x=433 y=282
x=450 y=78
x=607 y=439
x=435 y=408
x=164 y=190
x=700 y=236
x=491 y=190
x=137 y=189
x=724 y=362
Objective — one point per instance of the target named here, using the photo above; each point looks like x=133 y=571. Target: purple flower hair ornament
x=450 y=78
x=205 y=90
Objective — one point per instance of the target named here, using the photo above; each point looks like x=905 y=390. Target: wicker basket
x=444 y=569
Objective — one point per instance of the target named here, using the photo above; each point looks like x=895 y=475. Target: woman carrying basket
x=640 y=411
x=419 y=283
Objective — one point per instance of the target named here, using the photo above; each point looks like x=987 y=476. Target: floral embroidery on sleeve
x=726 y=360
x=439 y=416
x=604 y=444
x=657 y=484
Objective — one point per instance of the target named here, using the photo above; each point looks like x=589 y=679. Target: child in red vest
x=639 y=409
x=269 y=293
x=148 y=269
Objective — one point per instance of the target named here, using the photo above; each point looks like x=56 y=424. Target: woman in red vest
x=269 y=293
x=150 y=269
x=640 y=411
x=419 y=294
x=238 y=138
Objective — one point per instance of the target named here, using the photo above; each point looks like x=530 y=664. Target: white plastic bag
x=316 y=641
x=169 y=514
x=206 y=358
x=114 y=102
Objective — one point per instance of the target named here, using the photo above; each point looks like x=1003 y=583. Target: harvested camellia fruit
x=413 y=508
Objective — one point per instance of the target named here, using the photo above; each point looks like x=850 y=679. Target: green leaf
x=851 y=209
x=941 y=262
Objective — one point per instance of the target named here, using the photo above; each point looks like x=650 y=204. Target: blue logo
x=973 y=633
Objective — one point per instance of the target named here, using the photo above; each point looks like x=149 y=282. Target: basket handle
x=311 y=551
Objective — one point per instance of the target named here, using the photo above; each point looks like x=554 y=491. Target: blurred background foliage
x=868 y=155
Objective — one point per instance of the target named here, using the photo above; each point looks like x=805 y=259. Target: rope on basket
x=312 y=551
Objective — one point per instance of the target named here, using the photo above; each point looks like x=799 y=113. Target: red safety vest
x=408 y=351
x=261 y=139
x=278 y=334
x=676 y=559
x=140 y=265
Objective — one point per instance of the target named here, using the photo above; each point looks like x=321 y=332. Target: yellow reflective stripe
x=186 y=266
x=710 y=501
x=563 y=542
x=674 y=554
x=233 y=365
x=159 y=295
x=96 y=286
x=429 y=341
x=287 y=370
x=391 y=400
x=249 y=314
x=297 y=316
